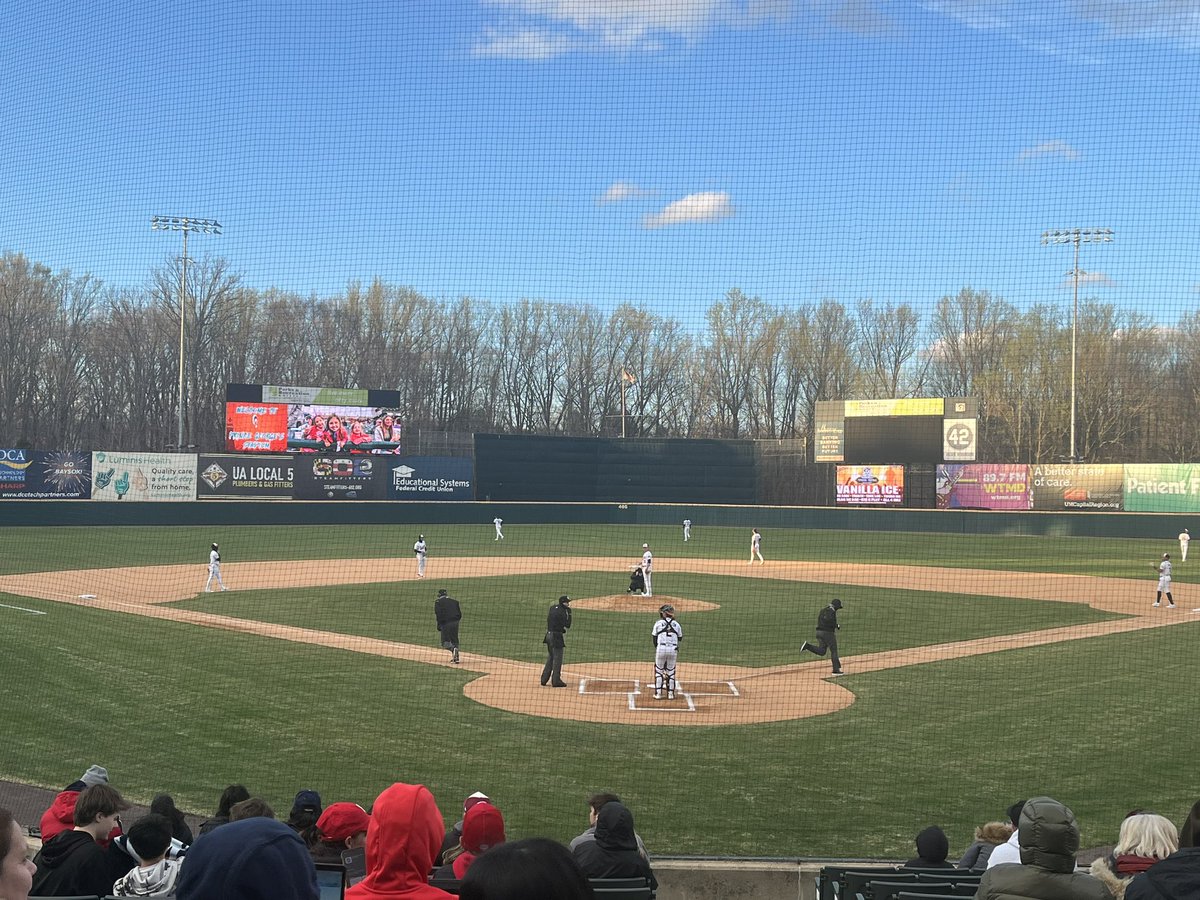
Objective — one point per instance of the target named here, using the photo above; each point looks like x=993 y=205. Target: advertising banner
x=321 y=476
x=1162 y=487
x=983 y=486
x=870 y=485
x=830 y=425
x=431 y=478
x=222 y=476
x=900 y=406
x=143 y=477
x=256 y=426
x=1077 y=487
x=45 y=475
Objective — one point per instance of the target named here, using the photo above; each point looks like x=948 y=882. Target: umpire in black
x=558 y=620
x=449 y=614
x=827 y=629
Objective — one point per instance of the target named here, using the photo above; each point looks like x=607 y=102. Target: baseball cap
x=95 y=775
x=477 y=797
x=836 y=603
x=645 y=546
x=442 y=592
x=308 y=800
x=564 y=599
x=341 y=821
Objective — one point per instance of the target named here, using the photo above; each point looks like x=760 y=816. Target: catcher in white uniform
x=666 y=635
x=214 y=570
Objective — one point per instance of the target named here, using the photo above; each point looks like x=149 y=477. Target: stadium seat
x=621 y=888
x=927 y=895
x=449 y=885
x=887 y=889
x=854 y=881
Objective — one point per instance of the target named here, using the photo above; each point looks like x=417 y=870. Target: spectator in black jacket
x=614 y=852
x=235 y=793
x=1175 y=878
x=73 y=862
x=932 y=849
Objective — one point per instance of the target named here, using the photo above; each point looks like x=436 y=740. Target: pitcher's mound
x=636 y=603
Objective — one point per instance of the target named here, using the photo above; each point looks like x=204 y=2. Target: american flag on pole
x=626 y=376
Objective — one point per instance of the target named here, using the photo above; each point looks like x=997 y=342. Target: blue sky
x=654 y=151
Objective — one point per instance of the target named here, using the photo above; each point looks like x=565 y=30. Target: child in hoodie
x=149 y=839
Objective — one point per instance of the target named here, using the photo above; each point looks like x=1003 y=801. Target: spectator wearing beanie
x=342 y=826
x=454 y=833
x=483 y=828
x=254 y=859
x=932 y=849
x=60 y=816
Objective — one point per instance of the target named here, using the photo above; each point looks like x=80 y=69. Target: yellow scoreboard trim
x=901 y=406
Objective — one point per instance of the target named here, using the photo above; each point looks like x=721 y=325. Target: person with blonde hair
x=1144 y=840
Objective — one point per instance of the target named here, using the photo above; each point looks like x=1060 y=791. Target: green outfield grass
x=1097 y=723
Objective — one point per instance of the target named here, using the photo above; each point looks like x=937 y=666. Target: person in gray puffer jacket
x=1049 y=838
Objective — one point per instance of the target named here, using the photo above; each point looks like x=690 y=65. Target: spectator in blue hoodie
x=254 y=859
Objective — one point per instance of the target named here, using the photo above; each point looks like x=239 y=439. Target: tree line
x=87 y=366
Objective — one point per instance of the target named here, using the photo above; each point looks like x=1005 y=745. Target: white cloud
x=522 y=43
x=1176 y=21
x=1097 y=278
x=540 y=29
x=856 y=16
x=709 y=206
x=983 y=15
x=1056 y=148
x=622 y=190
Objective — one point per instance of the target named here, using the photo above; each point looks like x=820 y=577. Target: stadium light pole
x=1076 y=236
x=187 y=225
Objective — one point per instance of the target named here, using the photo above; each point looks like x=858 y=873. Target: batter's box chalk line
x=607 y=685
x=648 y=703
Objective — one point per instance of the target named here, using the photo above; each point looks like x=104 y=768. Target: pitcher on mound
x=666 y=635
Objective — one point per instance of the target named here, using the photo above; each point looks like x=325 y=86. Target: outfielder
x=214 y=570
x=1185 y=538
x=647 y=565
x=499 y=532
x=666 y=635
x=419 y=549
x=756 y=548
x=687 y=530
x=1164 y=582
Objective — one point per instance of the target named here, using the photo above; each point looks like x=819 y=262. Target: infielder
x=687 y=530
x=419 y=549
x=647 y=565
x=665 y=635
x=1184 y=538
x=756 y=548
x=214 y=570
x=1164 y=582
x=448 y=614
x=499 y=532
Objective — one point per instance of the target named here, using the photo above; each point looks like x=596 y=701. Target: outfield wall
x=967 y=522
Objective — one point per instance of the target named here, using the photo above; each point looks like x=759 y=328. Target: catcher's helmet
x=666 y=609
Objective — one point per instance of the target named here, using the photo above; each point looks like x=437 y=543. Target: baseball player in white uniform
x=214 y=570
x=499 y=531
x=419 y=550
x=1164 y=582
x=666 y=635
x=647 y=566
x=687 y=530
x=756 y=548
x=1185 y=538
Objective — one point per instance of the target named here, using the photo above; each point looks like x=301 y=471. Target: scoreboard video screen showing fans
x=902 y=430
x=263 y=418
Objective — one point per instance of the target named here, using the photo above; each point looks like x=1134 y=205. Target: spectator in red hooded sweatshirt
x=60 y=816
x=483 y=828
x=404 y=835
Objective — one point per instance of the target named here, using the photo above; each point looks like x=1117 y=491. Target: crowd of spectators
x=244 y=852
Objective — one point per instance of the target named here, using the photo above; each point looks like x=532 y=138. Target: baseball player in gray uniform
x=666 y=635
x=419 y=549
x=1164 y=582
x=214 y=570
x=647 y=566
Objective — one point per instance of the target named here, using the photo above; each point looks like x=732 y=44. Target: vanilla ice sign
x=870 y=485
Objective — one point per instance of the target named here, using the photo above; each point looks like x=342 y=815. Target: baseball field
x=980 y=670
